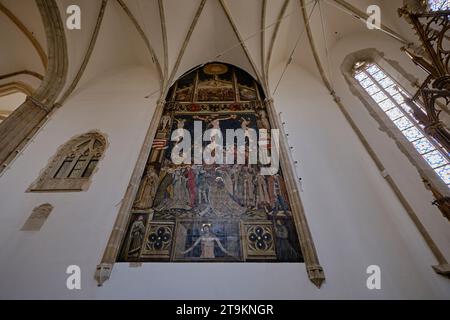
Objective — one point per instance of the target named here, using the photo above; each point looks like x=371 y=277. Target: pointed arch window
x=387 y=94
x=73 y=165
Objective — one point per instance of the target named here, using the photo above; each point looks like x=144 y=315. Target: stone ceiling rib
x=313 y=47
x=27 y=72
x=263 y=40
x=242 y=43
x=364 y=16
x=164 y=34
x=40 y=51
x=56 y=72
x=15 y=86
x=274 y=36
x=263 y=35
x=186 y=42
x=143 y=36
x=87 y=56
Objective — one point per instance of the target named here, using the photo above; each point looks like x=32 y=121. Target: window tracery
x=73 y=165
x=388 y=95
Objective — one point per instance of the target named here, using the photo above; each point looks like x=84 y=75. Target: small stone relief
x=37 y=218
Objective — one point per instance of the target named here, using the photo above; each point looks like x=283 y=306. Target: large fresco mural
x=210 y=212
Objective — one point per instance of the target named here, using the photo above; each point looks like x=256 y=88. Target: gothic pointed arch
x=73 y=165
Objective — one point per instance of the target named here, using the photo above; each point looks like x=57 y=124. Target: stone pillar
x=104 y=269
x=315 y=271
x=15 y=129
x=25 y=121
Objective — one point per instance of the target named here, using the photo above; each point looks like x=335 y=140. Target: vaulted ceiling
x=170 y=37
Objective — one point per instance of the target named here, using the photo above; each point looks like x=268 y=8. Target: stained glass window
x=388 y=96
x=436 y=5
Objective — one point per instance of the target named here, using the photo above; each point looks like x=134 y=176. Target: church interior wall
x=341 y=186
x=396 y=162
x=354 y=218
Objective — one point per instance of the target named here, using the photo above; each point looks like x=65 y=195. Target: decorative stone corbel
x=443 y=269
x=316 y=274
x=102 y=273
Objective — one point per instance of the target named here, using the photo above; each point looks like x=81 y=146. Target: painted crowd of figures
x=228 y=190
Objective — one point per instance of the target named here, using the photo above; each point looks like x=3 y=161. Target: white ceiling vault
x=173 y=36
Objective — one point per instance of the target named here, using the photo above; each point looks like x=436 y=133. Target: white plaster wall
x=354 y=218
x=33 y=264
x=396 y=163
x=12 y=101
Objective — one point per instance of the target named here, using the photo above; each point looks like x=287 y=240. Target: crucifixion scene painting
x=210 y=212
